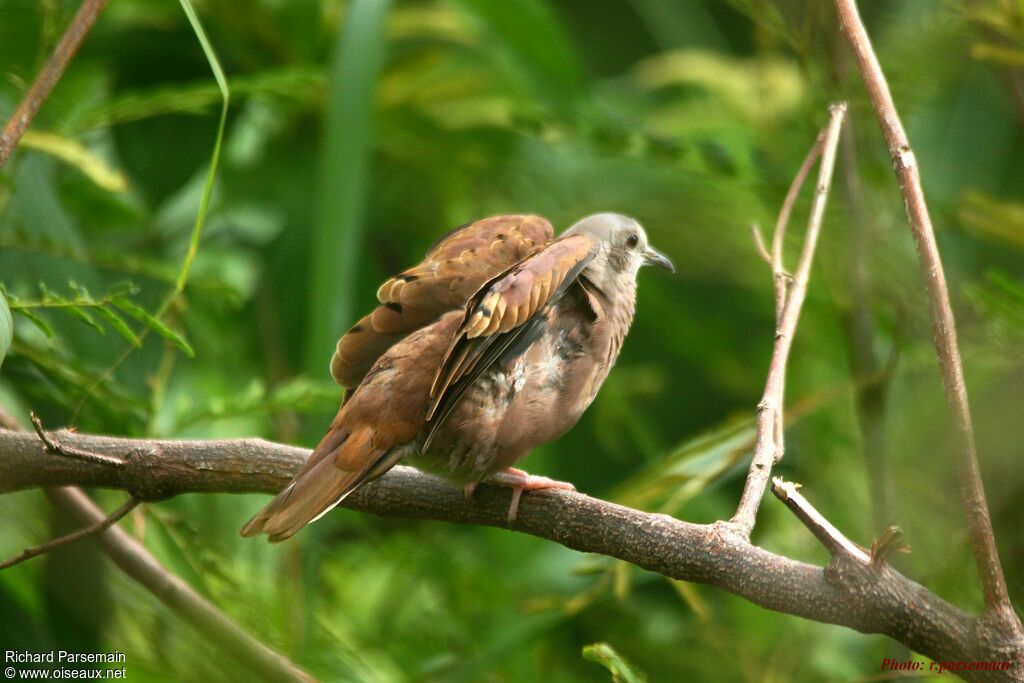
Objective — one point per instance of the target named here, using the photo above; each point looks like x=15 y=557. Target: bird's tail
x=342 y=461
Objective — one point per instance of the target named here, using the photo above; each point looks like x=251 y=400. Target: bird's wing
x=504 y=310
x=453 y=270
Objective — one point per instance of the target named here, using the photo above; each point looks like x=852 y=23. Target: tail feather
x=337 y=467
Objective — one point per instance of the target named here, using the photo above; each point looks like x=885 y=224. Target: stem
x=768 y=448
x=48 y=77
x=972 y=491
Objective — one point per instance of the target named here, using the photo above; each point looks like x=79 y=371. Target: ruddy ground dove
x=494 y=344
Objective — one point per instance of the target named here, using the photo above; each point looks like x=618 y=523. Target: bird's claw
x=522 y=481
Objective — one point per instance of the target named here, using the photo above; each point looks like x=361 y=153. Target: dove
x=495 y=344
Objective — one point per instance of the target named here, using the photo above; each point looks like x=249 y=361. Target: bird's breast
x=530 y=395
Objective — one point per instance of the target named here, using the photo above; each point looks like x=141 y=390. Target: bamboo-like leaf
x=140 y=314
x=621 y=670
x=337 y=241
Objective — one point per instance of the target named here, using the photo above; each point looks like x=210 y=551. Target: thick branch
x=850 y=594
x=135 y=561
x=972 y=491
x=48 y=77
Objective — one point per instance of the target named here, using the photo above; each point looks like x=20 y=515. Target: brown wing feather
x=453 y=270
x=500 y=311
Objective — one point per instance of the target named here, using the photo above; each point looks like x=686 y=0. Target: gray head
x=622 y=249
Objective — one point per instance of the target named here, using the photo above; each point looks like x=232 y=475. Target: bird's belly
x=510 y=409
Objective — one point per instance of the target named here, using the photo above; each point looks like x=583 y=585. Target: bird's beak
x=653 y=257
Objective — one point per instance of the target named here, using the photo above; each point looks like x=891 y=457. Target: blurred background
x=358 y=132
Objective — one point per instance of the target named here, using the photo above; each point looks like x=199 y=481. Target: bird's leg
x=522 y=481
x=468 y=489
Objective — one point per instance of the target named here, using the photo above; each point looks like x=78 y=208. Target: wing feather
x=454 y=268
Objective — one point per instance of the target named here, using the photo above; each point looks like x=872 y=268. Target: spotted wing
x=454 y=268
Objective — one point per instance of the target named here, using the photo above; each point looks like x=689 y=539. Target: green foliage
x=82 y=306
x=338 y=238
x=357 y=132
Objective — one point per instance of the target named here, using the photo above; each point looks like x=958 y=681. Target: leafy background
x=356 y=133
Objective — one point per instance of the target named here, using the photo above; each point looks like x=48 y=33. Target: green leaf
x=78 y=312
x=77 y=155
x=36 y=320
x=621 y=670
x=140 y=314
x=6 y=328
x=120 y=325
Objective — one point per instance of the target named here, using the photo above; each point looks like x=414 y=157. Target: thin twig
x=768 y=448
x=972 y=491
x=137 y=562
x=779 y=235
x=759 y=243
x=105 y=523
x=48 y=77
x=54 y=446
x=823 y=530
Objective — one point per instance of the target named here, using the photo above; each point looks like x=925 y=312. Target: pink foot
x=521 y=481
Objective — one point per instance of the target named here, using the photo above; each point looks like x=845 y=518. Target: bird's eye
x=633 y=240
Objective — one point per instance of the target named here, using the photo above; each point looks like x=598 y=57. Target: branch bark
x=48 y=77
x=846 y=592
x=138 y=563
x=972 y=491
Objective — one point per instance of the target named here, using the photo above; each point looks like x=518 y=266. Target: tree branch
x=768 y=448
x=823 y=530
x=870 y=600
x=972 y=491
x=48 y=77
x=135 y=561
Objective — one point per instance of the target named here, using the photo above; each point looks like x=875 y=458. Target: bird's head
x=622 y=249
